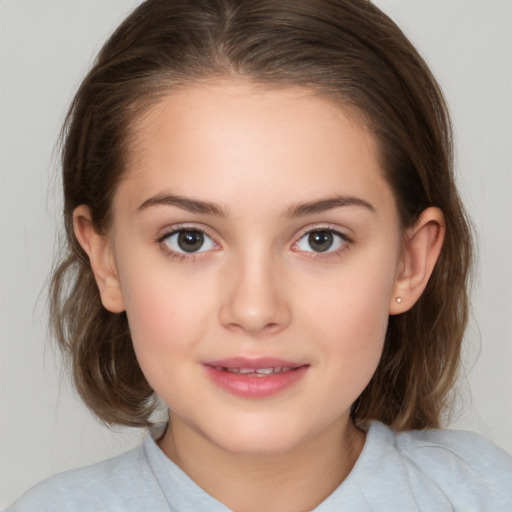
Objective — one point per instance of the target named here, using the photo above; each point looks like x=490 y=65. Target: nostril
x=251 y=302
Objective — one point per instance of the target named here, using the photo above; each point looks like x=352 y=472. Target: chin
x=259 y=439
x=257 y=446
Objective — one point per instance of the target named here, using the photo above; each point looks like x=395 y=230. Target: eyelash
x=346 y=241
x=182 y=256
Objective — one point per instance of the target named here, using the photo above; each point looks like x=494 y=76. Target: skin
x=257 y=287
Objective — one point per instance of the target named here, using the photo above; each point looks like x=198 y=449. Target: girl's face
x=257 y=246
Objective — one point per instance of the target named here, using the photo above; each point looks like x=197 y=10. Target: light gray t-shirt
x=430 y=470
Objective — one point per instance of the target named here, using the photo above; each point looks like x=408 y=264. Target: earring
x=399 y=300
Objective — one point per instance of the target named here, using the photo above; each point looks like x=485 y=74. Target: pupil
x=190 y=241
x=320 y=241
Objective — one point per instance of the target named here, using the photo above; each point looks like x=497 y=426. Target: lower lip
x=251 y=386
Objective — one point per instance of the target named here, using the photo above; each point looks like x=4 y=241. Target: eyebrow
x=208 y=208
x=185 y=203
x=323 y=205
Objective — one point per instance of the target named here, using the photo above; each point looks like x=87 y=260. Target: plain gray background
x=46 y=47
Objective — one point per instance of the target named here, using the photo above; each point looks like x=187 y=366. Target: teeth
x=255 y=371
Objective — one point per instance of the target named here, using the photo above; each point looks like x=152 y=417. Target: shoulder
x=118 y=483
x=447 y=450
x=462 y=467
x=465 y=447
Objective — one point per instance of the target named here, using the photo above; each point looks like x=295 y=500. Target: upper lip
x=254 y=363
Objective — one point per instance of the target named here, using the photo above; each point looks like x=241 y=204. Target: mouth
x=255 y=378
x=256 y=372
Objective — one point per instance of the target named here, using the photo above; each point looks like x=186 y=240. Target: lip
x=252 y=385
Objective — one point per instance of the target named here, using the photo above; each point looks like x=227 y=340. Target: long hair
x=347 y=50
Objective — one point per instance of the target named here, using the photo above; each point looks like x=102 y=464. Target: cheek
x=164 y=310
x=164 y=328
x=358 y=294
x=350 y=314
x=352 y=335
x=354 y=330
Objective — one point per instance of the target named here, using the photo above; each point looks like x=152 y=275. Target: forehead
x=236 y=139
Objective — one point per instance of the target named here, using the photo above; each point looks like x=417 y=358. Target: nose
x=254 y=298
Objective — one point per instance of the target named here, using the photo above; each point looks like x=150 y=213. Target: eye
x=321 y=240
x=189 y=241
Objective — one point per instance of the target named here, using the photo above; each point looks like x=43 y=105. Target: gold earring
x=399 y=300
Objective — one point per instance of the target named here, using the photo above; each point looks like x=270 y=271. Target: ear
x=99 y=249
x=422 y=246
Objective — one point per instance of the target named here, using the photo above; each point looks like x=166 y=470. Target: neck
x=295 y=481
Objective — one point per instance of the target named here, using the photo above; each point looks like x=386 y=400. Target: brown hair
x=346 y=49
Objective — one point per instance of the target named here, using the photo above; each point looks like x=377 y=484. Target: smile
x=255 y=378
x=258 y=372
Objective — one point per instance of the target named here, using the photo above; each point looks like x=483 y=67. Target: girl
x=263 y=231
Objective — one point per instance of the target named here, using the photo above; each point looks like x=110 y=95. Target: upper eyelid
x=323 y=227
x=347 y=242
x=163 y=238
x=170 y=230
